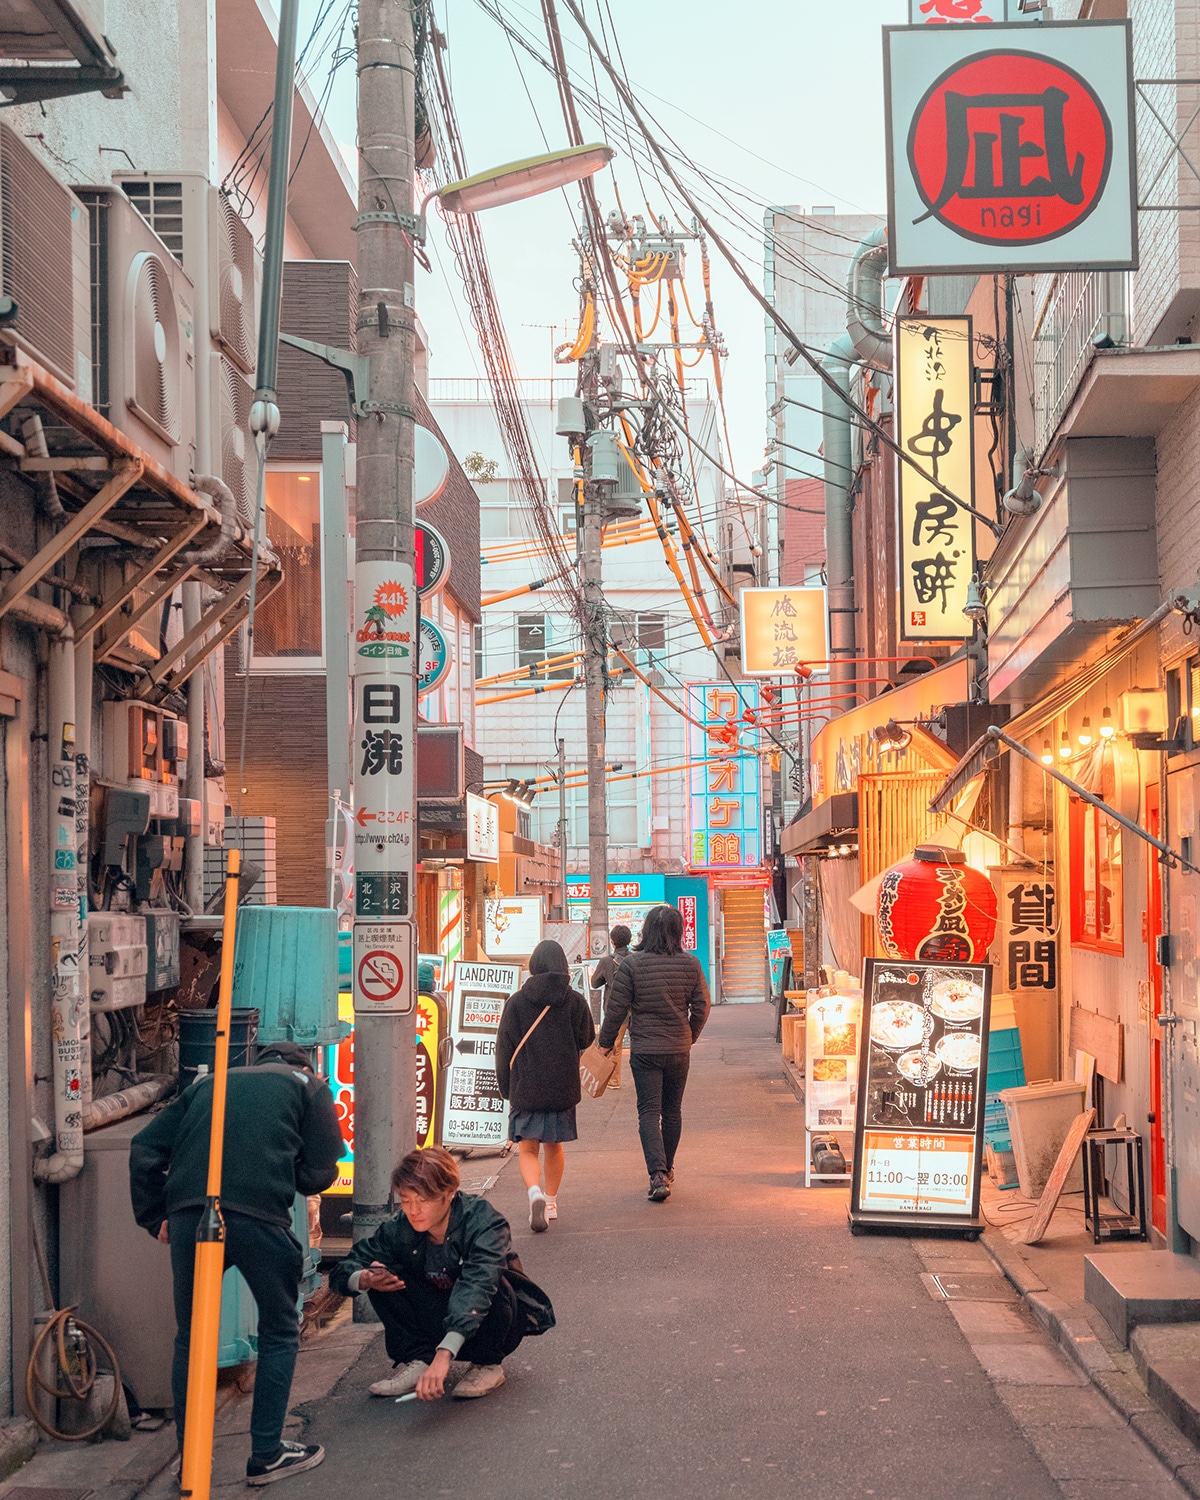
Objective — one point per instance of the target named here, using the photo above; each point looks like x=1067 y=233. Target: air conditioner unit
x=44 y=253
x=151 y=341
x=230 y=402
x=214 y=245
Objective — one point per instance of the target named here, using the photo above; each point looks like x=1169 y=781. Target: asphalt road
x=735 y=1340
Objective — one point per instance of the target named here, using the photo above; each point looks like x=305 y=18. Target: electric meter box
x=133 y=753
x=162 y=949
x=116 y=960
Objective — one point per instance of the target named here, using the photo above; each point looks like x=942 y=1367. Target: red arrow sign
x=362 y=817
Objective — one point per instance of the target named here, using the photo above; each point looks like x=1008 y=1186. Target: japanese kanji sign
x=781 y=627
x=385 y=967
x=724 y=792
x=1006 y=158
x=1027 y=932
x=934 y=425
x=964 y=12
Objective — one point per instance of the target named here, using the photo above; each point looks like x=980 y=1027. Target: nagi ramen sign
x=1010 y=149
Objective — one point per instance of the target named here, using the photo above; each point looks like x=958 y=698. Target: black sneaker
x=660 y=1188
x=292 y=1458
x=671 y=1176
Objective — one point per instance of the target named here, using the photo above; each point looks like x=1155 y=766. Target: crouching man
x=446 y=1283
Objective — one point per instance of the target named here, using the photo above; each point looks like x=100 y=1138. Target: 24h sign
x=1006 y=158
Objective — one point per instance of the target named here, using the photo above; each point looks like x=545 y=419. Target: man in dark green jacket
x=446 y=1283
x=281 y=1138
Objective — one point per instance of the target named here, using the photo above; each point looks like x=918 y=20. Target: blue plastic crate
x=237 y=1341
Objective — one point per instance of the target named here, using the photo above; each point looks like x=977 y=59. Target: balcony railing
x=1078 y=308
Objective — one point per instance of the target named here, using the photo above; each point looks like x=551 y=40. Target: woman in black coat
x=544 y=1028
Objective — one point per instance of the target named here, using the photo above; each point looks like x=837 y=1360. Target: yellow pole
x=210 y=1237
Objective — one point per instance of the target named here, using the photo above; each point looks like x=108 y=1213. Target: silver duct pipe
x=864 y=301
x=217 y=489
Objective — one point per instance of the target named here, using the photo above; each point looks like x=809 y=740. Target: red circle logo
x=1010 y=148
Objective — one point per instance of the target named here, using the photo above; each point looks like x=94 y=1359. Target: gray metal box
x=162 y=948
x=113 y=1271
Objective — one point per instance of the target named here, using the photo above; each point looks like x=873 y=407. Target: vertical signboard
x=934 y=424
x=1007 y=158
x=918 y=1141
x=724 y=787
x=432 y=1016
x=475 y=1114
x=833 y=1025
x=483 y=829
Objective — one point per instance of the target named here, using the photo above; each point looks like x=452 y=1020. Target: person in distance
x=602 y=977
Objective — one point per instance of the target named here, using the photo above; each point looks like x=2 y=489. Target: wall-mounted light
x=975 y=608
x=1047 y=754
x=1085 y=732
x=1107 y=727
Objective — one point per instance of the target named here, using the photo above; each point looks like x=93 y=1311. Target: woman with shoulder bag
x=660 y=991
x=544 y=1028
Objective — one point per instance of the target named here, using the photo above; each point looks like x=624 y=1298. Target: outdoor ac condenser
x=119 y=1277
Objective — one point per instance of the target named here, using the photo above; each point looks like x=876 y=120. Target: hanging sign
x=934 y=424
x=385 y=968
x=512 y=926
x=724 y=783
x=431 y=465
x=918 y=1142
x=1006 y=159
x=1027 y=941
x=475 y=1113
x=433 y=657
x=432 y=553
x=781 y=627
x=483 y=829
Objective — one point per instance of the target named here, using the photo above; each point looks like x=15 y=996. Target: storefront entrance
x=743 y=945
x=1158 y=1175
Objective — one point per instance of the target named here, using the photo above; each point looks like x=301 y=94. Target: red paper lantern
x=935 y=908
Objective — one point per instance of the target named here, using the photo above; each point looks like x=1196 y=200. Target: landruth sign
x=1006 y=158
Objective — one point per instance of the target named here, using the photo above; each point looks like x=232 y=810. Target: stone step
x=1135 y=1287
x=1168 y=1359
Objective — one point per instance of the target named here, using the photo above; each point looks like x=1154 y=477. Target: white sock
x=535 y=1192
x=553 y=1201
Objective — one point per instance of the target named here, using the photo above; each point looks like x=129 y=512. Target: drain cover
x=34 y=1492
x=973 y=1286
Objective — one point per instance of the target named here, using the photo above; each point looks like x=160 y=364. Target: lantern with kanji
x=934 y=908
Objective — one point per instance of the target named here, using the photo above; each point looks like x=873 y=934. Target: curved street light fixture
x=517 y=180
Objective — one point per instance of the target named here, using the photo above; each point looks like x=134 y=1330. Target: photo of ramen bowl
x=959 y=1051
x=897 y=1025
x=956 y=1000
x=919 y=1068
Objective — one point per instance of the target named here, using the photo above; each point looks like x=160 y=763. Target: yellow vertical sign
x=934 y=426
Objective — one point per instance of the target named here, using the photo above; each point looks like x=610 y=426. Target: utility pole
x=562 y=830
x=385 y=699
x=589 y=521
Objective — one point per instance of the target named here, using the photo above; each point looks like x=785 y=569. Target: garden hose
x=76 y=1367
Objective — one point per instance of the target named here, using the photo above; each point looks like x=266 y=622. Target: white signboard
x=385 y=968
x=483 y=829
x=1004 y=156
x=475 y=1113
x=513 y=926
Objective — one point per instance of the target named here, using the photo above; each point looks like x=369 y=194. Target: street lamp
x=517 y=180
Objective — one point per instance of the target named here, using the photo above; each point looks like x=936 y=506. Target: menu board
x=918 y=1144
x=834 y=1025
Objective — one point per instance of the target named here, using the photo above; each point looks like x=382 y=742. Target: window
x=287 y=626
x=479 y=658
x=635 y=633
x=1097 y=889
x=535 y=642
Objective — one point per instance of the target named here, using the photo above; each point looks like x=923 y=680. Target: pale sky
x=783 y=99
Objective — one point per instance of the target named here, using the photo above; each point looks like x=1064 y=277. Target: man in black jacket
x=281 y=1138
x=602 y=978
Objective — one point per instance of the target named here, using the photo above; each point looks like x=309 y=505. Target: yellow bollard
x=196 y=1478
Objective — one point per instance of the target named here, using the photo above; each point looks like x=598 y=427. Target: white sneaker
x=551 y=1210
x=402 y=1379
x=537 y=1222
x=479 y=1380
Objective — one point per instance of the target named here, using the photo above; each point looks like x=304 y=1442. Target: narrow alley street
x=736 y=1340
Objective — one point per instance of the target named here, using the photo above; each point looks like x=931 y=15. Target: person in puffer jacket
x=660 y=990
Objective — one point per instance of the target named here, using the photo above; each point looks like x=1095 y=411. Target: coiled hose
x=76 y=1366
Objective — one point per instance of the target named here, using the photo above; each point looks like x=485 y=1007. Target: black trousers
x=414 y=1324
x=660 y=1080
x=271 y=1260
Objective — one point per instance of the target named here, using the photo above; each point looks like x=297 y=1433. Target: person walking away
x=281 y=1138
x=602 y=976
x=445 y=1282
x=660 y=991
x=544 y=1028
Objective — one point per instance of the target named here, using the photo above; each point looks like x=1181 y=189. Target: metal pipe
x=209 y=484
x=35 y=447
x=864 y=301
x=19 y=1037
x=193 y=848
x=128 y=1102
x=35 y=611
x=277 y=193
x=839 y=534
x=70 y=1019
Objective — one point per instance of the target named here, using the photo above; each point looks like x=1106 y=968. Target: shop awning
x=1045 y=710
x=826 y=824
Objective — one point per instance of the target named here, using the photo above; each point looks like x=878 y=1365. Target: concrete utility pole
x=589 y=520
x=385 y=700
x=562 y=829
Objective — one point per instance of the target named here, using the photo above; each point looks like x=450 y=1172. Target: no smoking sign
x=385 y=968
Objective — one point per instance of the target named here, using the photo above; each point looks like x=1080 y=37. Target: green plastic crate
x=286 y=965
x=237 y=1341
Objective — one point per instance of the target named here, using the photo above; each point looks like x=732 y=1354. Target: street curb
x=1074 y=1336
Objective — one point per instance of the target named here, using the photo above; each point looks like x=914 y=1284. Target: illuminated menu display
x=923 y=1073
